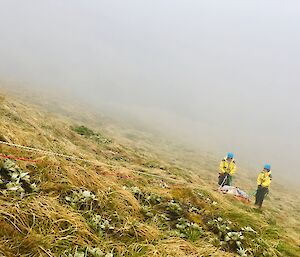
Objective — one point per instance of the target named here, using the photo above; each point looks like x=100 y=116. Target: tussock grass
x=40 y=223
x=132 y=214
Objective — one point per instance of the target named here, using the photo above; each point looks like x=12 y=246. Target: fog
x=224 y=75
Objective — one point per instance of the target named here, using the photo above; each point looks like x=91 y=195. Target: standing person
x=263 y=181
x=227 y=170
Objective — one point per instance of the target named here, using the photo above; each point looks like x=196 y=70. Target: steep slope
x=131 y=194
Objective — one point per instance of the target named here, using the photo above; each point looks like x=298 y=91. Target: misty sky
x=226 y=73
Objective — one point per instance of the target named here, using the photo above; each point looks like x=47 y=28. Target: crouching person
x=227 y=170
x=263 y=181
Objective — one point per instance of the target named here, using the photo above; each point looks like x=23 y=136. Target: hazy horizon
x=221 y=74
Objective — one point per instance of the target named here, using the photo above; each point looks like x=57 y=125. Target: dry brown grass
x=42 y=224
x=37 y=223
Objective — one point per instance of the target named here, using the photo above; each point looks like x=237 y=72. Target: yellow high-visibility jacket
x=264 y=179
x=227 y=167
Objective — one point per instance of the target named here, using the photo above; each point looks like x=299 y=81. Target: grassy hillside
x=140 y=196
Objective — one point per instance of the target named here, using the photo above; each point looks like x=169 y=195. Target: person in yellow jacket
x=227 y=170
x=264 y=180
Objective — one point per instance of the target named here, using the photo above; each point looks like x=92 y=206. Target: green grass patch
x=288 y=250
x=83 y=130
x=89 y=133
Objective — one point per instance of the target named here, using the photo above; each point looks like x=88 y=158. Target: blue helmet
x=267 y=167
x=230 y=155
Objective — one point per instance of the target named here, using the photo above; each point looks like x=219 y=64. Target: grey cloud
x=228 y=70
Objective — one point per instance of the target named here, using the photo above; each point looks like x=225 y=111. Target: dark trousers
x=260 y=195
x=227 y=182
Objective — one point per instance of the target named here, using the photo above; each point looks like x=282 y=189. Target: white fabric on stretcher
x=234 y=191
